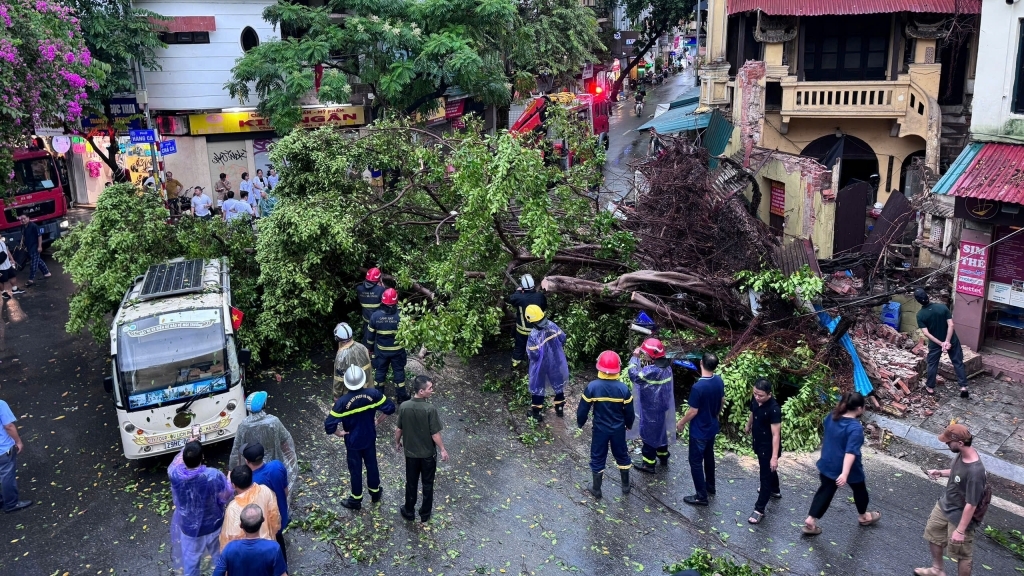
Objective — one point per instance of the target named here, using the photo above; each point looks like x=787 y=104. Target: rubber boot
x=595 y=487
x=625 y=480
x=560 y=410
x=401 y=394
x=663 y=459
x=536 y=415
x=644 y=467
x=352 y=504
x=376 y=496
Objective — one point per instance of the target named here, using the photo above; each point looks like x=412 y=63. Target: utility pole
x=697 y=55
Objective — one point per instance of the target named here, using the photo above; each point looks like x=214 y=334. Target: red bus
x=39 y=193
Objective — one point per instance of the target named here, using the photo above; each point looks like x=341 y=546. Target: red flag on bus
x=236 y=318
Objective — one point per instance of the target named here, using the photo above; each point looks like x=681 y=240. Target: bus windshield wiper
x=194 y=397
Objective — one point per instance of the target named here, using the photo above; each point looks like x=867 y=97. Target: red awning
x=997 y=173
x=187 y=24
x=847 y=7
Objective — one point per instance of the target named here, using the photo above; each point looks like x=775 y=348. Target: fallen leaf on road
x=61 y=417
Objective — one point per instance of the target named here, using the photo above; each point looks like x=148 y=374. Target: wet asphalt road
x=625 y=143
x=501 y=507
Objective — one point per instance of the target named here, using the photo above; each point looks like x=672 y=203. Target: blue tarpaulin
x=861 y=383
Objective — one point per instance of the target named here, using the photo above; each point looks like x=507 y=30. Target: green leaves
x=804 y=283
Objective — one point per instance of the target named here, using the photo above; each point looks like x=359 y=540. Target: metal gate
x=851 y=212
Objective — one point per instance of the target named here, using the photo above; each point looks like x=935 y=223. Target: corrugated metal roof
x=956 y=170
x=795 y=255
x=717 y=136
x=684 y=102
x=847 y=7
x=678 y=120
x=995 y=172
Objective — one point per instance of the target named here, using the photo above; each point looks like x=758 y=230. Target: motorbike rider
x=638 y=98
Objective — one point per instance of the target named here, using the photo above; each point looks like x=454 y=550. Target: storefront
x=988 y=309
x=233 y=143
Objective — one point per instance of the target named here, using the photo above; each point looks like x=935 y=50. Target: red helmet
x=390 y=297
x=653 y=348
x=609 y=363
x=373 y=275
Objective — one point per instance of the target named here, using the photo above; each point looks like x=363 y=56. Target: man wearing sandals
x=952 y=521
x=936 y=323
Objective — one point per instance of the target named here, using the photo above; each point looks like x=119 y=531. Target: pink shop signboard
x=971 y=271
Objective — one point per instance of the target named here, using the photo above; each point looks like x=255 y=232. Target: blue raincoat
x=200 y=495
x=548 y=366
x=655 y=403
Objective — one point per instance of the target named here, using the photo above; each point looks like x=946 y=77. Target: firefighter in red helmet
x=369 y=292
x=383 y=330
x=651 y=374
x=613 y=415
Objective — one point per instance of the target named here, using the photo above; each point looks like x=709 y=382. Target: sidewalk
x=993 y=414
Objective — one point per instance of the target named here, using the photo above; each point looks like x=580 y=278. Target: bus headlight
x=129 y=427
x=231 y=406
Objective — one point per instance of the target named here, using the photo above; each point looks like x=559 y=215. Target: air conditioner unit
x=172 y=125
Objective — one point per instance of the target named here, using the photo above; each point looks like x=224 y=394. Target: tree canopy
x=410 y=52
x=45 y=72
x=120 y=37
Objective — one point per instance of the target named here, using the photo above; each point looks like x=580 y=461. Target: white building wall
x=997 y=72
x=193 y=75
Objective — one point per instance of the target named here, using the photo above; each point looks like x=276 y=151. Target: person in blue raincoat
x=651 y=374
x=548 y=366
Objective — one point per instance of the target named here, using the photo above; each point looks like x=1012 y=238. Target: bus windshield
x=174 y=356
x=35 y=175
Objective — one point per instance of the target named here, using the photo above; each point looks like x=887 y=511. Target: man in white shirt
x=201 y=204
x=7 y=272
x=236 y=208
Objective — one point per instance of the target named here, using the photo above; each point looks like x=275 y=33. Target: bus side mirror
x=244 y=356
x=108 y=384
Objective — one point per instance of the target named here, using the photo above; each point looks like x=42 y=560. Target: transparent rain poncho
x=654 y=403
x=548 y=366
x=267 y=430
x=200 y=496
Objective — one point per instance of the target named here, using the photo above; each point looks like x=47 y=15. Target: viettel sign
x=235 y=122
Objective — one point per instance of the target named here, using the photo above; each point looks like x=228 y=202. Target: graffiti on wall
x=230 y=158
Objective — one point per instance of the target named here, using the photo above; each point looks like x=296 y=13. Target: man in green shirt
x=936 y=323
x=420 y=426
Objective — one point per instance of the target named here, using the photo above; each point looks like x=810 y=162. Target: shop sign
x=778 y=199
x=1007 y=257
x=235 y=122
x=122 y=107
x=435 y=116
x=78 y=145
x=971 y=271
x=454 y=109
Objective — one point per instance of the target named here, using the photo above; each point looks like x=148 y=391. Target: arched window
x=250 y=39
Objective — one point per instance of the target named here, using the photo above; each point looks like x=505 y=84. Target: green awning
x=678 y=120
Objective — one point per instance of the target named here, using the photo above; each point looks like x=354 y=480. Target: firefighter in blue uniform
x=369 y=293
x=613 y=415
x=356 y=413
x=651 y=374
x=524 y=296
x=383 y=329
x=548 y=366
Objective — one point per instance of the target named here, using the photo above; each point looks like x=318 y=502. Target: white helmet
x=526 y=281
x=343 y=332
x=355 y=378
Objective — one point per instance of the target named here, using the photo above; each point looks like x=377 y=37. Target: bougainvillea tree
x=45 y=69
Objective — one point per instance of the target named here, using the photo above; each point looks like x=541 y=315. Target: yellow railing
x=878 y=99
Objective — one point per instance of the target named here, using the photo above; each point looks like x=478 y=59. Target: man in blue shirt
x=10 y=447
x=252 y=555
x=273 y=475
x=707 y=398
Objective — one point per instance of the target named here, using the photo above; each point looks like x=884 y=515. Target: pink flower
x=69 y=58
x=74 y=110
x=4 y=15
x=49 y=51
x=41 y=6
x=86 y=57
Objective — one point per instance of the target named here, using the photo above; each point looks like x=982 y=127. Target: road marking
x=626 y=133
